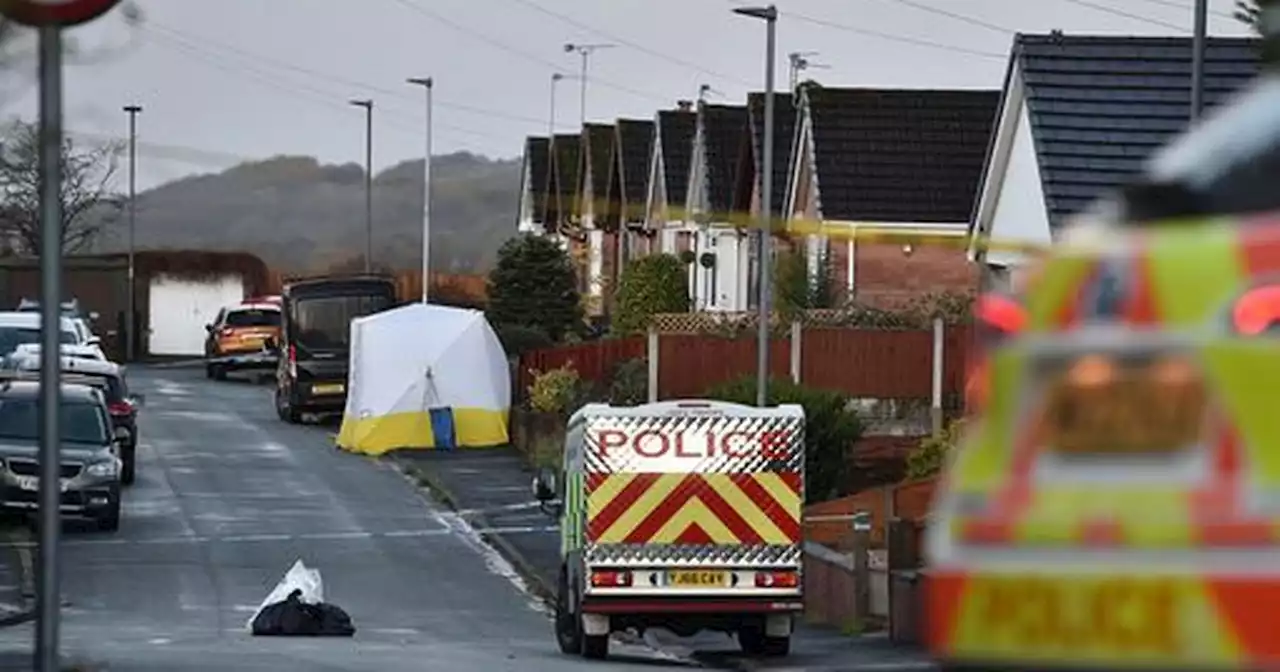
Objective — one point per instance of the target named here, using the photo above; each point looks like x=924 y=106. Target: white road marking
x=522 y=506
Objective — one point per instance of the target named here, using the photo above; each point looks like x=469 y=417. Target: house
x=717 y=142
x=1078 y=116
x=561 y=211
x=629 y=186
x=669 y=177
x=876 y=169
x=594 y=161
x=534 y=179
x=750 y=183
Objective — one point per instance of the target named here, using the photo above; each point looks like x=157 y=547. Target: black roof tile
x=536 y=162
x=564 y=177
x=634 y=152
x=900 y=155
x=1101 y=105
x=598 y=141
x=676 y=129
x=723 y=129
x=784 y=129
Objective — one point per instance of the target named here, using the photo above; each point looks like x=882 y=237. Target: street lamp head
x=133 y=109
x=769 y=13
x=421 y=81
x=570 y=47
x=556 y=76
x=366 y=103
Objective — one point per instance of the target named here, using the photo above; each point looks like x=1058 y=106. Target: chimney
x=684 y=105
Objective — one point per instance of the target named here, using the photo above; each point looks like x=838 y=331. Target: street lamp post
x=770 y=16
x=1198 y=40
x=585 y=51
x=368 y=181
x=427 y=83
x=130 y=336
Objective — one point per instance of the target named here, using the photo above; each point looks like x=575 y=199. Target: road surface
x=228 y=497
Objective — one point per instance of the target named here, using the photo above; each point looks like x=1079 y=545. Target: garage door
x=179 y=309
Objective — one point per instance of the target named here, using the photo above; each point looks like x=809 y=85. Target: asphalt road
x=228 y=497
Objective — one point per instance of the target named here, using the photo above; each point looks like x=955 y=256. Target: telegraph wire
x=260 y=59
x=499 y=44
x=919 y=42
x=531 y=4
x=957 y=17
x=1187 y=7
x=1127 y=15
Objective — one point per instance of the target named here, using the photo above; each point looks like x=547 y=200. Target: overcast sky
x=231 y=80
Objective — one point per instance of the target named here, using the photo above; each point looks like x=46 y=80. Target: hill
x=300 y=215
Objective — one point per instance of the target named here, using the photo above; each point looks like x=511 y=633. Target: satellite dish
x=60 y=13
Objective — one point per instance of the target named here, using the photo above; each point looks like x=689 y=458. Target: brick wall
x=886 y=277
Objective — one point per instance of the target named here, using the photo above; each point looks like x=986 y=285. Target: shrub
x=831 y=428
x=555 y=391
x=629 y=385
x=533 y=284
x=796 y=289
x=654 y=284
x=931 y=455
x=517 y=339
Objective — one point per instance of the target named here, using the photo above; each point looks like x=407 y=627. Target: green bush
x=831 y=428
x=555 y=391
x=517 y=339
x=796 y=289
x=653 y=284
x=534 y=285
x=931 y=455
x=629 y=384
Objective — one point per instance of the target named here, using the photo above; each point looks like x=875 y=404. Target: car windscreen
x=253 y=317
x=81 y=422
x=12 y=337
x=324 y=322
x=111 y=386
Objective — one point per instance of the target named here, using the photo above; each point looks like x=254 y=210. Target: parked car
x=19 y=328
x=90 y=463
x=238 y=336
x=27 y=350
x=108 y=377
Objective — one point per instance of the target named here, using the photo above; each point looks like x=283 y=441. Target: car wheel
x=568 y=632
x=110 y=521
x=285 y=409
x=208 y=371
x=219 y=372
x=128 y=470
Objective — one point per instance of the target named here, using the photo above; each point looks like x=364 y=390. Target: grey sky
x=240 y=79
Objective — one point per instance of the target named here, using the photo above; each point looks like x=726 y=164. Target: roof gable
x=595 y=157
x=784 y=131
x=537 y=165
x=676 y=134
x=904 y=155
x=1099 y=106
x=634 y=144
x=723 y=128
x=563 y=175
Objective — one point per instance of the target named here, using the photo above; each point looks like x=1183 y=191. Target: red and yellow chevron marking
x=683 y=508
x=1113 y=620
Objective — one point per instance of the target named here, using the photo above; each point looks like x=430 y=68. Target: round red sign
x=55 y=12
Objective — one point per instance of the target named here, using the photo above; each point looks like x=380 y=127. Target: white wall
x=1019 y=216
x=595 y=262
x=178 y=310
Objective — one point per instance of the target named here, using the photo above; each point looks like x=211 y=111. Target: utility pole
x=585 y=51
x=1198 y=40
x=368 y=181
x=426 y=83
x=131 y=319
x=770 y=16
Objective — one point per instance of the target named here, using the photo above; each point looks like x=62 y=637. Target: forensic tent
x=425 y=376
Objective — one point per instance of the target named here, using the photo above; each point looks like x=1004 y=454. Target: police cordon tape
x=906 y=233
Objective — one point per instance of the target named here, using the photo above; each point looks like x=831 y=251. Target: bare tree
x=89 y=205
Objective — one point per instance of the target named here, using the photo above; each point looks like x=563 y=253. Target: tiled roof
x=676 y=129
x=598 y=139
x=784 y=128
x=723 y=128
x=535 y=157
x=635 y=147
x=564 y=176
x=908 y=155
x=1100 y=105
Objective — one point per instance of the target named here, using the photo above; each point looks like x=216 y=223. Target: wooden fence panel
x=868 y=363
x=594 y=360
x=689 y=365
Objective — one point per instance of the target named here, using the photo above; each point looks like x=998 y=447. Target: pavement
x=227 y=498
x=491 y=490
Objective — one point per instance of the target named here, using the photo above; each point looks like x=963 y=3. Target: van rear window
x=324 y=323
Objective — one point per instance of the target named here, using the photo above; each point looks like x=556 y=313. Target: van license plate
x=698 y=579
x=327 y=389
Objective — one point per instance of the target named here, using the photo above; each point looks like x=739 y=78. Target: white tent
x=425 y=376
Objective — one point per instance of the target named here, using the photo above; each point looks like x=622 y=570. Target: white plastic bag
x=299 y=577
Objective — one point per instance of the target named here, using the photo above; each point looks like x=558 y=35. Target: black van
x=315 y=326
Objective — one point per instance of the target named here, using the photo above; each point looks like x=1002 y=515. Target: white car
x=19 y=328
x=32 y=351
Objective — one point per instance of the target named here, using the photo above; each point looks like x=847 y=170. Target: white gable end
x=1020 y=216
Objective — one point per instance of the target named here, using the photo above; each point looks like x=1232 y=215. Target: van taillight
x=784 y=579
x=610 y=578
x=293 y=362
